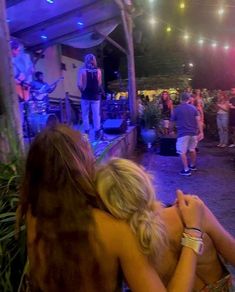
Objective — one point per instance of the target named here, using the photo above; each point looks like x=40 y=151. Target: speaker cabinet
x=115 y=126
x=168 y=146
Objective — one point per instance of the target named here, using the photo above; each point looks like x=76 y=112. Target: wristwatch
x=196 y=244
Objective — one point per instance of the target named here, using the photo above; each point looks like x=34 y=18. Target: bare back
x=115 y=249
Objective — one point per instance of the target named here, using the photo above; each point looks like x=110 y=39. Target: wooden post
x=128 y=29
x=11 y=134
x=68 y=109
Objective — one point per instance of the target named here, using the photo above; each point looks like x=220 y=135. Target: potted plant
x=150 y=119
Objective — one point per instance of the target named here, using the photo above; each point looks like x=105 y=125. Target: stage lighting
x=43 y=37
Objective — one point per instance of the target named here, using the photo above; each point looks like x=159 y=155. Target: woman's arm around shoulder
x=139 y=274
x=223 y=240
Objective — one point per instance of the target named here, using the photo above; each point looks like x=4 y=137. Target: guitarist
x=40 y=90
x=22 y=70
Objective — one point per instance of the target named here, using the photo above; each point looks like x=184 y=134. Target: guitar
x=40 y=94
x=23 y=90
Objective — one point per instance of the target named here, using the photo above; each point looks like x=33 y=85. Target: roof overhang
x=78 y=23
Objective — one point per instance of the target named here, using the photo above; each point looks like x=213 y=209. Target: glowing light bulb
x=186 y=36
x=191 y=65
x=152 y=21
x=226 y=47
x=221 y=11
x=201 y=41
x=168 y=29
x=214 y=45
x=182 y=5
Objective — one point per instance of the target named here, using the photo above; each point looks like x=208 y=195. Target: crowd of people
x=91 y=228
x=186 y=115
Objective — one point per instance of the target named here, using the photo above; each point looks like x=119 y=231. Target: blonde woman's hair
x=127 y=192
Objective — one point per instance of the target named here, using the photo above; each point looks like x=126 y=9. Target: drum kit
x=36 y=113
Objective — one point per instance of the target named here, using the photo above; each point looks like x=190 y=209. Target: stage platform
x=122 y=145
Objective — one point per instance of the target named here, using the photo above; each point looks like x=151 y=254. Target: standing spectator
x=189 y=130
x=232 y=117
x=199 y=104
x=222 y=119
x=166 y=106
x=89 y=82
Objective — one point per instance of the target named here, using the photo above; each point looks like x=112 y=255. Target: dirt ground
x=213 y=182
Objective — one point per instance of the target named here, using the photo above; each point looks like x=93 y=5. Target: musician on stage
x=40 y=90
x=22 y=70
x=89 y=83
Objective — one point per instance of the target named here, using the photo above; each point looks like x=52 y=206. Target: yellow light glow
x=168 y=29
x=182 y=5
x=186 y=36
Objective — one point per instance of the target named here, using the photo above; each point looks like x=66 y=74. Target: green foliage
x=151 y=116
x=12 y=251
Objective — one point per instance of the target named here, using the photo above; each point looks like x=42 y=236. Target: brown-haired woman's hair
x=58 y=192
x=222 y=96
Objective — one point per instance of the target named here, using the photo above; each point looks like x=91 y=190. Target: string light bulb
x=226 y=47
x=214 y=45
x=182 y=5
x=168 y=29
x=152 y=21
x=201 y=41
x=186 y=36
x=221 y=11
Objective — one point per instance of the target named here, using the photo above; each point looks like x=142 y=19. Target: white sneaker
x=231 y=145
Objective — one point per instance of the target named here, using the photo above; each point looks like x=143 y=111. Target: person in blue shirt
x=189 y=132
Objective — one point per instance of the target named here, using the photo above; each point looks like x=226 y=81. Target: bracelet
x=185 y=235
x=193 y=231
x=193 y=228
x=196 y=244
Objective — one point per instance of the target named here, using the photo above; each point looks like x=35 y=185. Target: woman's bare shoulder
x=172 y=219
x=107 y=221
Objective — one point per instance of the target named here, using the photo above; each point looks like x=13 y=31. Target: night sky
x=161 y=52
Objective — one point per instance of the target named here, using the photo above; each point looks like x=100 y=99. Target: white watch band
x=196 y=244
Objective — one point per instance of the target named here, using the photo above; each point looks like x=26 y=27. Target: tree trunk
x=11 y=136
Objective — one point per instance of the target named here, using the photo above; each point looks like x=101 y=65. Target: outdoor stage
x=122 y=145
